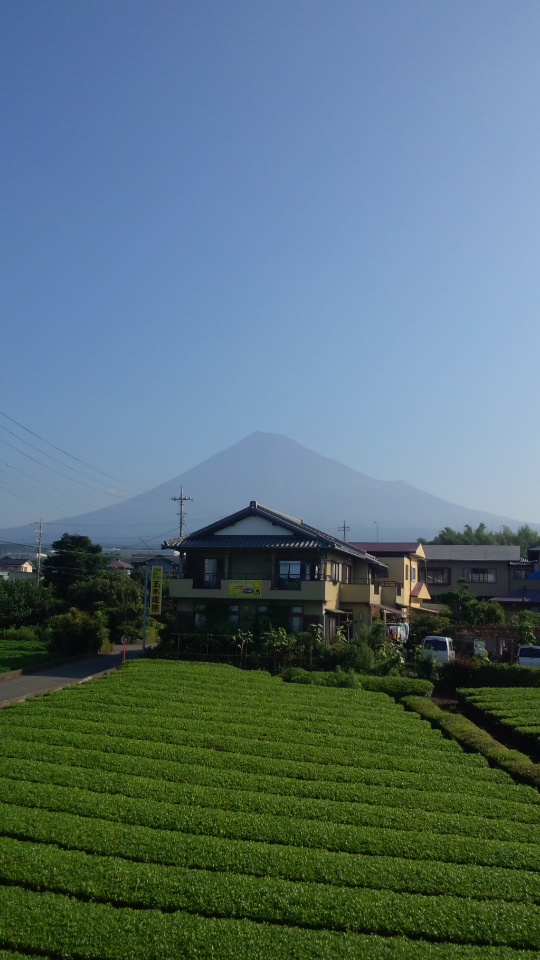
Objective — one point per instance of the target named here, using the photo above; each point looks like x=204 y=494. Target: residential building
x=525 y=583
x=121 y=566
x=485 y=571
x=170 y=564
x=404 y=591
x=261 y=566
x=16 y=565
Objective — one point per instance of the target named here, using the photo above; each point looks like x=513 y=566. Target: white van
x=440 y=649
x=529 y=657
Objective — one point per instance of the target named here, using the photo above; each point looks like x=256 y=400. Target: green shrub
x=21 y=635
x=396 y=687
x=75 y=633
x=464 y=672
x=336 y=678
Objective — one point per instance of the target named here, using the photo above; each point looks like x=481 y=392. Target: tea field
x=18 y=654
x=516 y=708
x=181 y=810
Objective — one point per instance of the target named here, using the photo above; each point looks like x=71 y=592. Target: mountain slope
x=281 y=474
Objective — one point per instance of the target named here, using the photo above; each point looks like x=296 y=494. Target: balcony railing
x=212 y=582
x=288 y=583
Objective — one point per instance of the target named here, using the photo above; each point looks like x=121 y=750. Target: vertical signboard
x=156 y=585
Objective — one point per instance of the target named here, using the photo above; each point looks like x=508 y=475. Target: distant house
x=525 y=581
x=16 y=565
x=261 y=566
x=487 y=571
x=121 y=566
x=404 y=591
x=171 y=565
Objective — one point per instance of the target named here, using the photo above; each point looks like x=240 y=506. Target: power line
x=110 y=476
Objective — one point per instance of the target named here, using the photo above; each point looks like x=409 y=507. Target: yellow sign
x=156 y=585
x=245 y=588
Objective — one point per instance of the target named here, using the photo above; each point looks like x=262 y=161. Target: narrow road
x=63 y=675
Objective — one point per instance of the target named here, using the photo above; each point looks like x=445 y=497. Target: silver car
x=529 y=657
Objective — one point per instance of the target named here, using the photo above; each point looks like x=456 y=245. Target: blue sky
x=319 y=219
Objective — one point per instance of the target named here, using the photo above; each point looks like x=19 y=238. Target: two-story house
x=261 y=566
x=485 y=571
x=404 y=590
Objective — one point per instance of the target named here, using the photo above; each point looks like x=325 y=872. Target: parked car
x=528 y=657
x=440 y=649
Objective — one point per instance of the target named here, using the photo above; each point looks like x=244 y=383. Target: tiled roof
x=303 y=535
x=388 y=549
x=470 y=553
x=254 y=541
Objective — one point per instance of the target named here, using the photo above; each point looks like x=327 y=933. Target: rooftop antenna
x=345 y=530
x=377 y=529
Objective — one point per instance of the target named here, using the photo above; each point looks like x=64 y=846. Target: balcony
x=249 y=588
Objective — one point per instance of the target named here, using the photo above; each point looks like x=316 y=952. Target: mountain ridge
x=284 y=475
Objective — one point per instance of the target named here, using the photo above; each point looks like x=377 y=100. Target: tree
x=77 y=633
x=118 y=597
x=524 y=538
x=75 y=558
x=23 y=605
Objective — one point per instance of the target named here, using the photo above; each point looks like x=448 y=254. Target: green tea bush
x=478 y=673
x=336 y=678
x=395 y=687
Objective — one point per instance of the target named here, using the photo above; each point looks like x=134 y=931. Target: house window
x=262 y=617
x=200 y=616
x=290 y=570
x=234 y=615
x=480 y=574
x=521 y=574
x=413 y=574
x=210 y=572
x=335 y=571
x=440 y=576
x=297 y=619
x=346 y=573
x=406 y=571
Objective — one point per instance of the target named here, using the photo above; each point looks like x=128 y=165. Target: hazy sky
x=314 y=218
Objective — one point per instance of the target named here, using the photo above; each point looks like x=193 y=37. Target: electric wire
x=110 y=476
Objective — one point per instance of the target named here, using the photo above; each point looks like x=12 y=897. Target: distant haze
x=281 y=474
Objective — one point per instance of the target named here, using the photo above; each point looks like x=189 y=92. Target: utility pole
x=181 y=500
x=345 y=529
x=39 y=549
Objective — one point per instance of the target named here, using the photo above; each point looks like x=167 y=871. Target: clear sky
x=318 y=218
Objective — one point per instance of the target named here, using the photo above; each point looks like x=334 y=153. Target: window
x=335 y=571
x=521 y=574
x=210 y=573
x=346 y=573
x=480 y=574
x=297 y=619
x=290 y=570
x=262 y=617
x=234 y=615
x=200 y=616
x=439 y=576
x=413 y=574
x=406 y=571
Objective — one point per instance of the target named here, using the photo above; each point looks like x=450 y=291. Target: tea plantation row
x=199 y=811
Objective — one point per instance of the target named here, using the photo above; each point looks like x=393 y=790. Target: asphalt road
x=64 y=675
